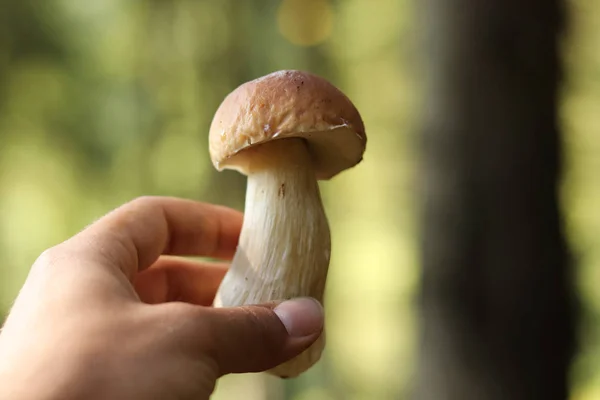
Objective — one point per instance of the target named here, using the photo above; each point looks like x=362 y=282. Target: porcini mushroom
x=285 y=131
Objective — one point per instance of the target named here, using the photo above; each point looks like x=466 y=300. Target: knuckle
x=259 y=324
x=49 y=257
x=52 y=262
x=144 y=201
x=254 y=319
x=187 y=318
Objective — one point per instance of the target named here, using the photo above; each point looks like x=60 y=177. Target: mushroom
x=285 y=131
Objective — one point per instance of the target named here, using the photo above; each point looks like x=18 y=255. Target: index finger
x=134 y=235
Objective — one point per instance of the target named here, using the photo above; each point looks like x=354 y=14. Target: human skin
x=115 y=312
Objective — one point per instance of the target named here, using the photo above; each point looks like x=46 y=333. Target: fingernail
x=301 y=317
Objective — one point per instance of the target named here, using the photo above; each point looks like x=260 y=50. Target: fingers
x=133 y=236
x=176 y=279
x=257 y=338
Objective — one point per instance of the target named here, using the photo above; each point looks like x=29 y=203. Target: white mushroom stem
x=285 y=243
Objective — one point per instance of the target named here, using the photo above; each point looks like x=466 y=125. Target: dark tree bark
x=497 y=310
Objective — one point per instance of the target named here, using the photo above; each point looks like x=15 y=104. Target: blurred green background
x=103 y=101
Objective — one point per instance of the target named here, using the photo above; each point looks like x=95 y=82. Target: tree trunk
x=497 y=315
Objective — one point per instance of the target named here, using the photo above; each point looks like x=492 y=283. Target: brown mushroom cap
x=288 y=104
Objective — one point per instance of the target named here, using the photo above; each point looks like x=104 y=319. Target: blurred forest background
x=103 y=101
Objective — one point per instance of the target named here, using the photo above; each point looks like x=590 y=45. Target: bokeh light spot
x=305 y=22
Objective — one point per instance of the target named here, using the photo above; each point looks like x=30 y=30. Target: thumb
x=260 y=337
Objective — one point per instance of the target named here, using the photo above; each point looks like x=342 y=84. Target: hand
x=111 y=314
